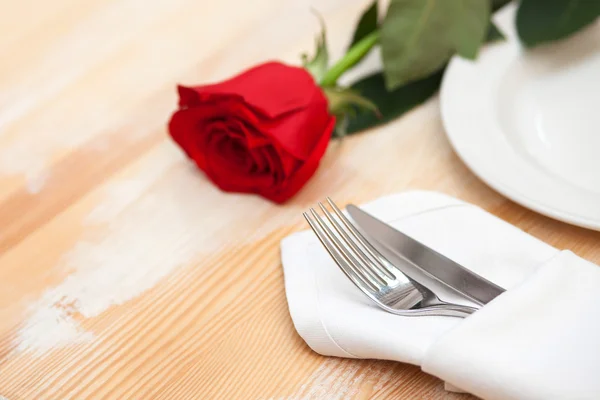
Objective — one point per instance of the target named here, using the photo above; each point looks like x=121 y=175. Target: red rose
x=263 y=131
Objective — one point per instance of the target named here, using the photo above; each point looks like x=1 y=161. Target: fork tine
x=370 y=250
x=349 y=257
x=364 y=286
x=339 y=255
x=347 y=240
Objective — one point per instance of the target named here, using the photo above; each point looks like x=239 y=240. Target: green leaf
x=494 y=34
x=366 y=24
x=419 y=36
x=341 y=98
x=318 y=65
x=345 y=104
x=540 y=21
x=498 y=4
x=391 y=104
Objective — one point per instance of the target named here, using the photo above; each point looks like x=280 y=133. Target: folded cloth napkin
x=538 y=340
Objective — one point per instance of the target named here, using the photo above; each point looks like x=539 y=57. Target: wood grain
x=166 y=287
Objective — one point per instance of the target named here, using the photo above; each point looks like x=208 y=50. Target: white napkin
x=539 y=340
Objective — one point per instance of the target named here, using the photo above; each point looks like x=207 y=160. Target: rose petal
x=275 y=164
x=298 y=132
x=188 y=125
x=188 y=97
x=254 y=138
x=186 y=134
x=273 y=88
x=261 y=164
x=230 y=166
x=282 y=193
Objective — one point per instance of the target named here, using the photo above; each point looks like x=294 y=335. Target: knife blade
x=386 y=239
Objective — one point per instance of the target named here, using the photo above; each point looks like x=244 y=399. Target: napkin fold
x=539 y=340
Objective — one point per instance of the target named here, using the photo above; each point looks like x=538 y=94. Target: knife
x=392 y=243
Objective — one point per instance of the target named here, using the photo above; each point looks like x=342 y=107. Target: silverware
x=423 y=264
x=382 y=281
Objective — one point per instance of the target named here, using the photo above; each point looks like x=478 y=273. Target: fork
x=384 y=283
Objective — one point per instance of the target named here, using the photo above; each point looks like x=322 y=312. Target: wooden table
x=123 y=272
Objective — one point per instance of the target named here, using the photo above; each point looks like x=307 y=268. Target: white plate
x=528 y=122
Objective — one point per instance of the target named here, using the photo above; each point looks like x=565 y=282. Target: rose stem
x=350 y=59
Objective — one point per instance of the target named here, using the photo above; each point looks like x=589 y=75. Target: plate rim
x=504 y=18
